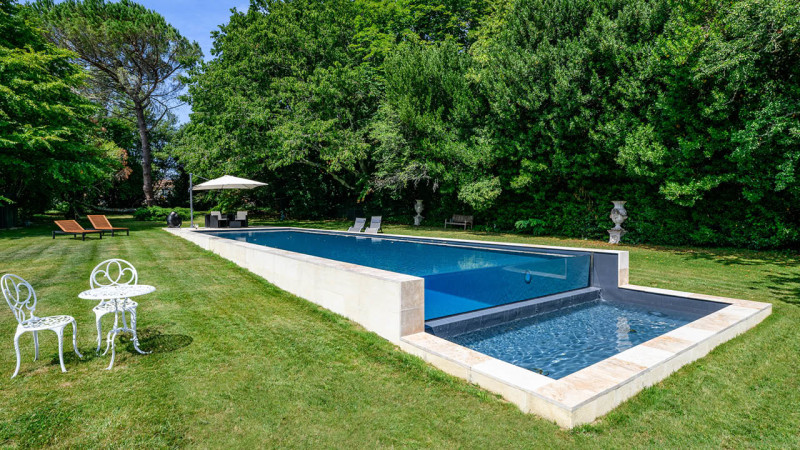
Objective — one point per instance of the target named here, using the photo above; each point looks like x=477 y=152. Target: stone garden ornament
x=618 y=215
x=418 y=207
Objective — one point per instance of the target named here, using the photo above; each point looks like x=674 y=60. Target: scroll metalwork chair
x=22 y=299
x=114 y=272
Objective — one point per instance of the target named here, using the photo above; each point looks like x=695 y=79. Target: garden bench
x=460 y=220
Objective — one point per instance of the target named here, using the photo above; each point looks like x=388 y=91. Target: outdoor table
x=115 y=294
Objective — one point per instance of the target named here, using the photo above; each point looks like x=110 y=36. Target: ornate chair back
x=113 y=272
x=20 y=297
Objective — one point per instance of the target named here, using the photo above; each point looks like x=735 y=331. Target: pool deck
x=392 y=305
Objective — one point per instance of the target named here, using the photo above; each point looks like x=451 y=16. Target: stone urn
x=418 y=207
x=618 y=215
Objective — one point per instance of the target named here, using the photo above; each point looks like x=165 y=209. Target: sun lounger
x=374 y=225
x=358 y=225
x=72 y=227
x=100 y=222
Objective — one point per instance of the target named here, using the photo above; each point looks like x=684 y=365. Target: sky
x=195 y=19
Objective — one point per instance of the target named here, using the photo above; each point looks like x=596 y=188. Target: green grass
x=237 y=361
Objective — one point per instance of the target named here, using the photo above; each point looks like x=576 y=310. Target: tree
x=295 y=86
x=133 y=55
x=687 y=109
x=426 y=134
x=50 y=145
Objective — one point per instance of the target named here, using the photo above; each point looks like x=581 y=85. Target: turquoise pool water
x=561 y=342
x=458 y=278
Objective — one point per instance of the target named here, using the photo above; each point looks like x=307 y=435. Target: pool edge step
x=476 y=320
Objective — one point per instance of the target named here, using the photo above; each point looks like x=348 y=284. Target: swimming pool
x=458 y=278
x=391 y=304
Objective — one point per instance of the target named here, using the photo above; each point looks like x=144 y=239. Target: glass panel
x=470 y=290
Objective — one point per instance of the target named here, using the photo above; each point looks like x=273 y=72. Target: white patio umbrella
x=223 y=182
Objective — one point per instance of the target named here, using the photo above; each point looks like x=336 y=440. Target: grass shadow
x=733 y=256
x=786 y=286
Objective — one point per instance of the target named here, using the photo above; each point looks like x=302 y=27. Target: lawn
x=239 y=362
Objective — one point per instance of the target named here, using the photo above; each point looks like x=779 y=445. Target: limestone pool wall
x=388 y=303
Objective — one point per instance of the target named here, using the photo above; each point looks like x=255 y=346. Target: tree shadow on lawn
x=735 y=257
x=786 y=287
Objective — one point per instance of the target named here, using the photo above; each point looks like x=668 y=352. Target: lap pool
x=558 y=331
x=458 y=278
x=558 y=340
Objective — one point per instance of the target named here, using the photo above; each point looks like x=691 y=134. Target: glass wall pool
x=458 y=278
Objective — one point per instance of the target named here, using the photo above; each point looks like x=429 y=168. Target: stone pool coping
x=589 y=393
x=573 y=400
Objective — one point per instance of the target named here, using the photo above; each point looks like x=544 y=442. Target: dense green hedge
x=157 y=213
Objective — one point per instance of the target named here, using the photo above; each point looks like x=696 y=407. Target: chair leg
x=113 y=350
x=36 y=345
x=108 y=341
x=16 y=348
x=75 y=339
x=60 y=333
x=98 y=318
x=135 y=334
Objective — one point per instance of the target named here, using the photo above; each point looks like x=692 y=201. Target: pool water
x=458 y=278
x=562 y=342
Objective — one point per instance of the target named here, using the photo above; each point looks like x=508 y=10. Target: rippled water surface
x=562 y=342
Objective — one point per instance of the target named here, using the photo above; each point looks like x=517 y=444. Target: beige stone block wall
x=387 y=303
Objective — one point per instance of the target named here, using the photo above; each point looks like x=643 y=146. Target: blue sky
x=195 y=19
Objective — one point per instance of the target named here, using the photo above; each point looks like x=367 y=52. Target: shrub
x=157 y=213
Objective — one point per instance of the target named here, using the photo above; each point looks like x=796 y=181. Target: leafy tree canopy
x=134 y=58
x=524 y=111
x=298 y=84
x=50 y=145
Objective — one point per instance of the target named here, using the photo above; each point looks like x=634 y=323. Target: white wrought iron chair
x=114 y=272
x=22 y=299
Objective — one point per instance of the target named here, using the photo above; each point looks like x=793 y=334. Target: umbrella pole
x=191 y=203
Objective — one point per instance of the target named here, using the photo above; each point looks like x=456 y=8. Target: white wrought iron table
x=116 y=294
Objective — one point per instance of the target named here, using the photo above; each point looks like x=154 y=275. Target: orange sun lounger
x=72 y=227
x=100 y=222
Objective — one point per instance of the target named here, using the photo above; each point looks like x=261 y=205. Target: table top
x=115 y=292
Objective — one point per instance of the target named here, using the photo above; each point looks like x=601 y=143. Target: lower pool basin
x=561 y=342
